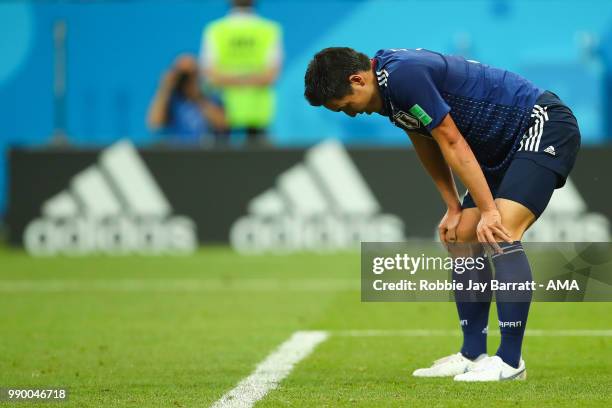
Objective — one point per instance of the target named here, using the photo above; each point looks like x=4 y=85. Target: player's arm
x=462 y=161
x=431 y=157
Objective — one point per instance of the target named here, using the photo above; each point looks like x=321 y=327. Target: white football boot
x=448 y=366
x=494 y=369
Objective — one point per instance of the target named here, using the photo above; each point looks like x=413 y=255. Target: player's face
x=360 y=101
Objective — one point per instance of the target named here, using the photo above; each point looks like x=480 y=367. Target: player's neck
x=376 y=103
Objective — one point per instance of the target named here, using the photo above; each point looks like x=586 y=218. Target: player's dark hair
x=327 y=76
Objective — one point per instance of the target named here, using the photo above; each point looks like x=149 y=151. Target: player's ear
x=356 y=79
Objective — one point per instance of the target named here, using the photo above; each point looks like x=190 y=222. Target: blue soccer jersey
x=491 y=107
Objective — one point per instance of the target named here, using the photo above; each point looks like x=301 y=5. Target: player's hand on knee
x=490 y=230
x=447 y=229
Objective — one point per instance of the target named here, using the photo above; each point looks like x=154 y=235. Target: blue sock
x=474 y=310
x=512 y=306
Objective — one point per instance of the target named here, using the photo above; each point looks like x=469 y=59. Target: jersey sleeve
x=413 y=90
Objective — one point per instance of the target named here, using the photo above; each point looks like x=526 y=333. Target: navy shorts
x=543 y=159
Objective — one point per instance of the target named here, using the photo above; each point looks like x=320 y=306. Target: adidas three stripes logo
x=382 y=77
x=531 y=140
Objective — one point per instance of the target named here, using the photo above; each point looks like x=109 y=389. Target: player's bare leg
x=515 y=217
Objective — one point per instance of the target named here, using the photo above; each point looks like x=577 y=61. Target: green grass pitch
x=182 y=331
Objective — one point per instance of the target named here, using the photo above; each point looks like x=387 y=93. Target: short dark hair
x=327 y=74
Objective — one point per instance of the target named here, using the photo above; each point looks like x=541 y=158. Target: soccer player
x=510 y=143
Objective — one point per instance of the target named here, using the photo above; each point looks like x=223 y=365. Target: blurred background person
x=182 y=112
x=241 y=54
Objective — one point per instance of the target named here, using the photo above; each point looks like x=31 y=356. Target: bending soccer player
x=510 y=143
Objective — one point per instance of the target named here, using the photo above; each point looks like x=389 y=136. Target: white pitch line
x=270 y=372
x=279 y=364
x=443 y=333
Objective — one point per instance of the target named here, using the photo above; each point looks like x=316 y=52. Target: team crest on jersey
x=406 y=121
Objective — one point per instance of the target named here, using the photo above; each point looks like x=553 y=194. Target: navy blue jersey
x=491 y=107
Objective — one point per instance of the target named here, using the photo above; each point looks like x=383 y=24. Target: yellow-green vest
x=242 y=46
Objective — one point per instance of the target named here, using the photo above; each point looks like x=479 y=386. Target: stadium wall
x=324 y=198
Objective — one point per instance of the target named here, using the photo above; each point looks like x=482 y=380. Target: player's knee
x=466 y=234
x=461 y=246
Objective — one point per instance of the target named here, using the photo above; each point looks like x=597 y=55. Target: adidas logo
x=320 y=204
x=550 y=150
x=115 y=207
